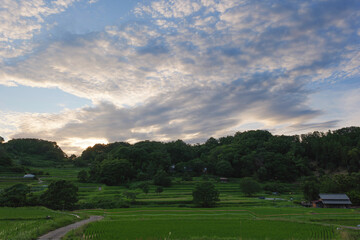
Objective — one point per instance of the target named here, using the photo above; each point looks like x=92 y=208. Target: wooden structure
x=339 y=200
x=224 y=180
x=29 y=175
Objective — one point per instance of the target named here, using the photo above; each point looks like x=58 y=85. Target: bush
x=60 y=195
x=162 y=179
x=354 y=196
x=249 y=186
x=311 y=189
x=105 y=203
x=205 y=195
x=14 y=196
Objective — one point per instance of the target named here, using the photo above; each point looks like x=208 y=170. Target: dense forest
x=255 y=153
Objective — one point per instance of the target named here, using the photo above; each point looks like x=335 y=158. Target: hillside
x=31 y=152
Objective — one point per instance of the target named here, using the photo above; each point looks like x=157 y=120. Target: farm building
x=224 y=180
x=333 y=201
x=29 y=175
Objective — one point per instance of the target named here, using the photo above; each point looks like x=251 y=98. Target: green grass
x=31 y=222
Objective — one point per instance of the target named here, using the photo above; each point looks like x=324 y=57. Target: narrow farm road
x=60 y=232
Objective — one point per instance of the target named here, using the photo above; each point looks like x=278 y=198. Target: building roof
x=340 y=198
x=29 y=175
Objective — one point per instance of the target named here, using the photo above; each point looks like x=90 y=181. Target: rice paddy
x=219 y=223
x=171 y=215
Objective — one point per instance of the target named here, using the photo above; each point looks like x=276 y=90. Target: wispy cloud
x=192 y=69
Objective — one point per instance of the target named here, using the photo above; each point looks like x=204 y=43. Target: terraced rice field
x=221 y=223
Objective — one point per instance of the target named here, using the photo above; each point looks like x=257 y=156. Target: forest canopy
x=256 y=153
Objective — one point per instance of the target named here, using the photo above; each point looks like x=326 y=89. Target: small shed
x=29 y=175
x=224 y=180
x=340 y=200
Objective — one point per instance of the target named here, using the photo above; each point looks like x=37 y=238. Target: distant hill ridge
x=254 y=153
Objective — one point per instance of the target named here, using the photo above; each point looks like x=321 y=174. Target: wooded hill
x=255 y=153
x=30 y=152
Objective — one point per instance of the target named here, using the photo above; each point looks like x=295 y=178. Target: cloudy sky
x=80 y=72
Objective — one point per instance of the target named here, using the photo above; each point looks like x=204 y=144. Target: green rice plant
x=152 y=223
x=31 y=222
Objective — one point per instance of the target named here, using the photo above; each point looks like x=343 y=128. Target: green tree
x=1 y=139
x=83 y=176
x=15 y=196
x=354 y=160
x=224 y=168
x=61 y=194
x=5 y=160
x=249 y=186
x=311 y=189
x=116 y=171
x=179 y=151
x=162 y=179
x=205 y=195
x=354 y=196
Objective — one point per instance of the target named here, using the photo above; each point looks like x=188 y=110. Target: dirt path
x=60 y=232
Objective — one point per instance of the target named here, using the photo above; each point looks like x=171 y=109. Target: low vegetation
x=31 y=222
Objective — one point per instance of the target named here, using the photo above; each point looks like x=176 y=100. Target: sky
x=81 y=72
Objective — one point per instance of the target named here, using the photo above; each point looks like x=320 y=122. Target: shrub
x=162 y=179
x=311 y=189
x=60 y=195
x=249 y=186
x=205 y=195
x=354 y=196
x=14 y=196
x=105 y=203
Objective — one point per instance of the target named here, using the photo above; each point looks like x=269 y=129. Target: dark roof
x=335 y=198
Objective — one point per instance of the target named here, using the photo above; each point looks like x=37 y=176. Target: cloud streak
x=192 y=69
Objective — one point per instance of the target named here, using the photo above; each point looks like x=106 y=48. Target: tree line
x=256 y=153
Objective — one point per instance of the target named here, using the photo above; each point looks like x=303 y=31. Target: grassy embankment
x=31 y=222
